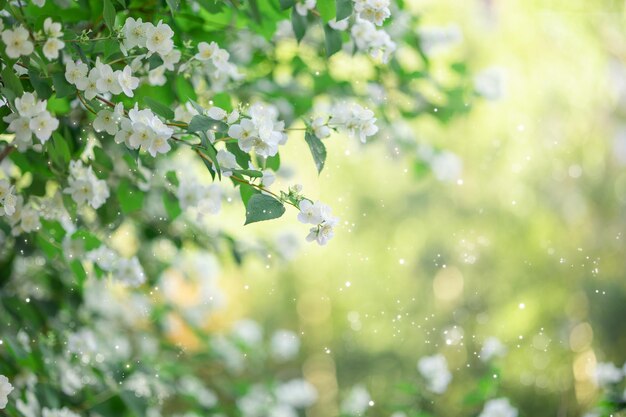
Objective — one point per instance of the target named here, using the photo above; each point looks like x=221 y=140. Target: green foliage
x=262 y=207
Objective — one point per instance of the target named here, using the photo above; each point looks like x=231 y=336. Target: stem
x=82 y=100
x=6 y=152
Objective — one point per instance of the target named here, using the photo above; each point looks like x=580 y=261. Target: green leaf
x=200 y=123
x=222 y=100
x=159 y=108
x=77 y=268
x=103 y=164
x=246 y=192
x=285 y=4
x=318 y=150
x=90 y=242
x=129 y=197
x=262 y=207
x=333 y=40
x=61 y=149
x=40 y=85
x=173 y=5
x=184 y=90
x=273 y=162
x=172 y=207
x=299 y=24
x=11 y=81
x=344 y=9
x=242 y=158
x=108 y=12
x=172 y=178
x=327 y=9
x=248 y=172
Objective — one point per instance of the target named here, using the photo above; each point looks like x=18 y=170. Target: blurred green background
x=525 y=245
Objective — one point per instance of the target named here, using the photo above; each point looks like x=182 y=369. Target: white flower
x=435 y=370
x=227 y=161
x=8 y=199
x=492 y=348
x=21 y=127
x=91 y=86
x=108 y=80
x=170 y=59
x=159 y=38
x=303 y=7
x=607 y=373
x=206 y=51
x=29 y=106
x=357 y=401
x=284 y=345
x=297 y=393
x=60 y=412
x=129 y=271
x=311 y=213
x=39 y=3
x=5 y=390
x=320 y=127
x=375 y=42
x=268 y=177
x=376 y=11
x=135 y=33
x=17 y=42
x=247 y=331
x=85 y=187
x=322 y=233
x=52 y=47
x=106 y=121
x=354 y=120
x=43 y=125
x=217 y=113
x=52 y=29
x=29 y=219
x=499 y=407
x=127 y=82
x=193 y=387
x=340 y=25
x=76 y=74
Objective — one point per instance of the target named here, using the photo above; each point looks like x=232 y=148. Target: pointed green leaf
x=262 y=207
x=318 y=150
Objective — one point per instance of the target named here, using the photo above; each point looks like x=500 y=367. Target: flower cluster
x=126 y=271
x=142 y=129
x=203 y=198
x=31 y=118
x=375 y=42
x=261 y=131
x=101 y=79
x=84 y=186
x=7 y=198
x=155 y=38
x=354 y=120
x=5 y=389
x=498 y=407
x=375 y=11
x=53 y=45
x=320 y=215
x=215 y=64
x=435 y=370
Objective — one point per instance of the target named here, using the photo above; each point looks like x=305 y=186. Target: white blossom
x=159 y=38
x=8 y=199
x=607 y=373
x=129 y=272
x=17 y=42
x=303 y=6
x=357 y=401
x=297 y=393
x=498 y=407
x=284 y=345
x=127 y=82
x=435 y=370
x=354 y=120
x=52 y=29
x=375 y=11
x=5 y=389
x=52 y=47
x=84 y=187
x=76 y=74
x=492 y=347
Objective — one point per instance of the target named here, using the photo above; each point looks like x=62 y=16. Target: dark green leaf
x=344 y=9
x=285 y=4
x=248 y=172
x=11 y=81
x=273 y=162
x=333 y=40
x=172 y=207
x=108 y=12
x=40 y=85
x=129 y=197
x=299 y=24
x=318 y=150
x=262 y=207
x=61 y=86
x=173 y=5
x=172 y=178
x=159 y=108
x=246 y=192
x=184 y=90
